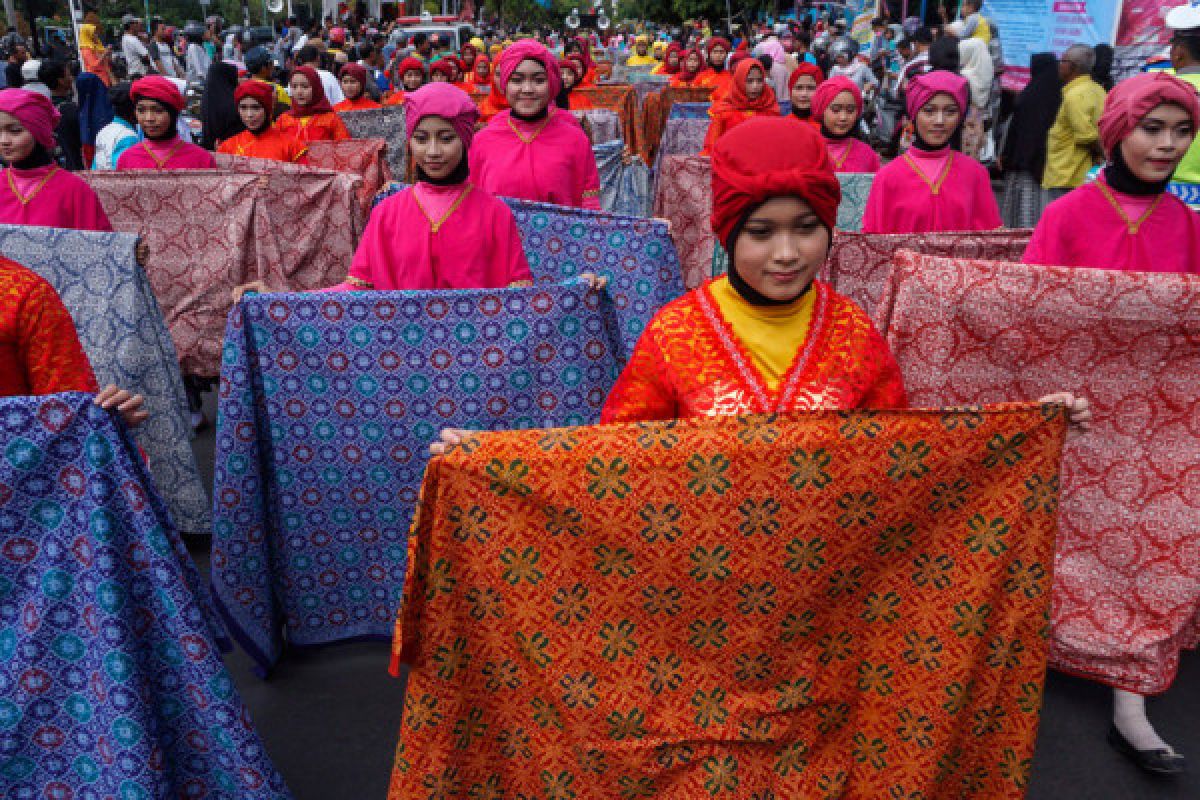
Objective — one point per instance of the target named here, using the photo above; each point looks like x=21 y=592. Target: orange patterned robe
x=689 y=362
x=271 y=144
x=40 y=351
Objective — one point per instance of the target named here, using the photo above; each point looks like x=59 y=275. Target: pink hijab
x=34 y=111
x=1134 y=98
x=446 y=101
x=825 y=94
x=922 y=88
x=528 y=50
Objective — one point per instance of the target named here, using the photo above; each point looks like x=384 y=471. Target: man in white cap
x=1184 y=22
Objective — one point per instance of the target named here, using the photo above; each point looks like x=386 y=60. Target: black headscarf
x=1033 y=115
x=1102 y=71
x=218 y=111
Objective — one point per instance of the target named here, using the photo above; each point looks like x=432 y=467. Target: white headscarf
x=977 y=69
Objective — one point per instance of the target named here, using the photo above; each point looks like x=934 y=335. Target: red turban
x=828 y=91
x=444 y=66
x=768 y=157
x=1135 y=97
x=805 y=69
x=159 y=89
x=263 y=93
x=411 y=64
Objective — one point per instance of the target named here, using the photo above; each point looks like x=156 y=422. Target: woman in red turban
x=157 y=104
x=572 y=74
x=311 y=118
x=671 y=60
x=837 y=106
x=717 y=74
x=749 y=95
x=767 y=336
x=255 y=101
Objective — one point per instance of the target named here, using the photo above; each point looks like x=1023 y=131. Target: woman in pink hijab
x=534 y=151
x=837 y=105
x=158 y=104
x=444 y=232
x=1125 y=219
x=931 y=188
x=36 y=190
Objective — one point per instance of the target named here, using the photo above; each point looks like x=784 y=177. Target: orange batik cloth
x=832 y=604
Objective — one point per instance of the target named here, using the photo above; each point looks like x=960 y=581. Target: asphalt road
x=330 y=719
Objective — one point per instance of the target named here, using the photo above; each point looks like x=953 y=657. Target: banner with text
x=1038 y=26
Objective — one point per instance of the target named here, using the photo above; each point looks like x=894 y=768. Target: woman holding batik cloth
x=931 y=187
x=1126 y=220
x=262 y=139
x=534 y=151
x=40 y=352
x=767 y=337
x=157 y=104
x=36 y=190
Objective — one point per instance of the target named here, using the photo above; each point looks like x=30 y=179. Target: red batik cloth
x=689 y=362
x=208 y=231
x=860 y=264
x=1127 y=571
x=683 y=195
x=40 y=351
x=833 y=604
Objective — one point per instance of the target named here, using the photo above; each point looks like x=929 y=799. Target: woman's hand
x=595 y=282
x=451 y=437
x=129 y=406
x=253 y=286
x=1079 y=410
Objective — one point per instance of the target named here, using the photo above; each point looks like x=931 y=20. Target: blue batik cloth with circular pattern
x=636 y=254
x=328 y=405
x=111 y=681
x=122 y=331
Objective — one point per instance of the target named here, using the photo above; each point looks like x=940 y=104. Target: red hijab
x=667 y=69
x=828 y=91
x=738 y=100
x=319 y=103
x=712 y=44
x=486 y=80
x=683 y=74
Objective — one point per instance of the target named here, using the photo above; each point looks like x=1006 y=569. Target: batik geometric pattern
x=1127 y=570
x=837 y=604
x=328 y=405
x=385 y=123
x=604 y=125
x=622 y=99
x=209 y=231
x=122 y=331
x=624 y=188
x=111 y=682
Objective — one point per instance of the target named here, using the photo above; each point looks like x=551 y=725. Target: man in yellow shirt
x=1074 y=140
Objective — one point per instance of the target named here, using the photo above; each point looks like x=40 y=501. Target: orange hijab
x=736 y=99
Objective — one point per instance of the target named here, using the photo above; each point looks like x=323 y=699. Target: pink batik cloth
x=437 y=237
x=64 y=200
x=930 y=192
x=1147 y=234
x=549 y=160
x=170 y=154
